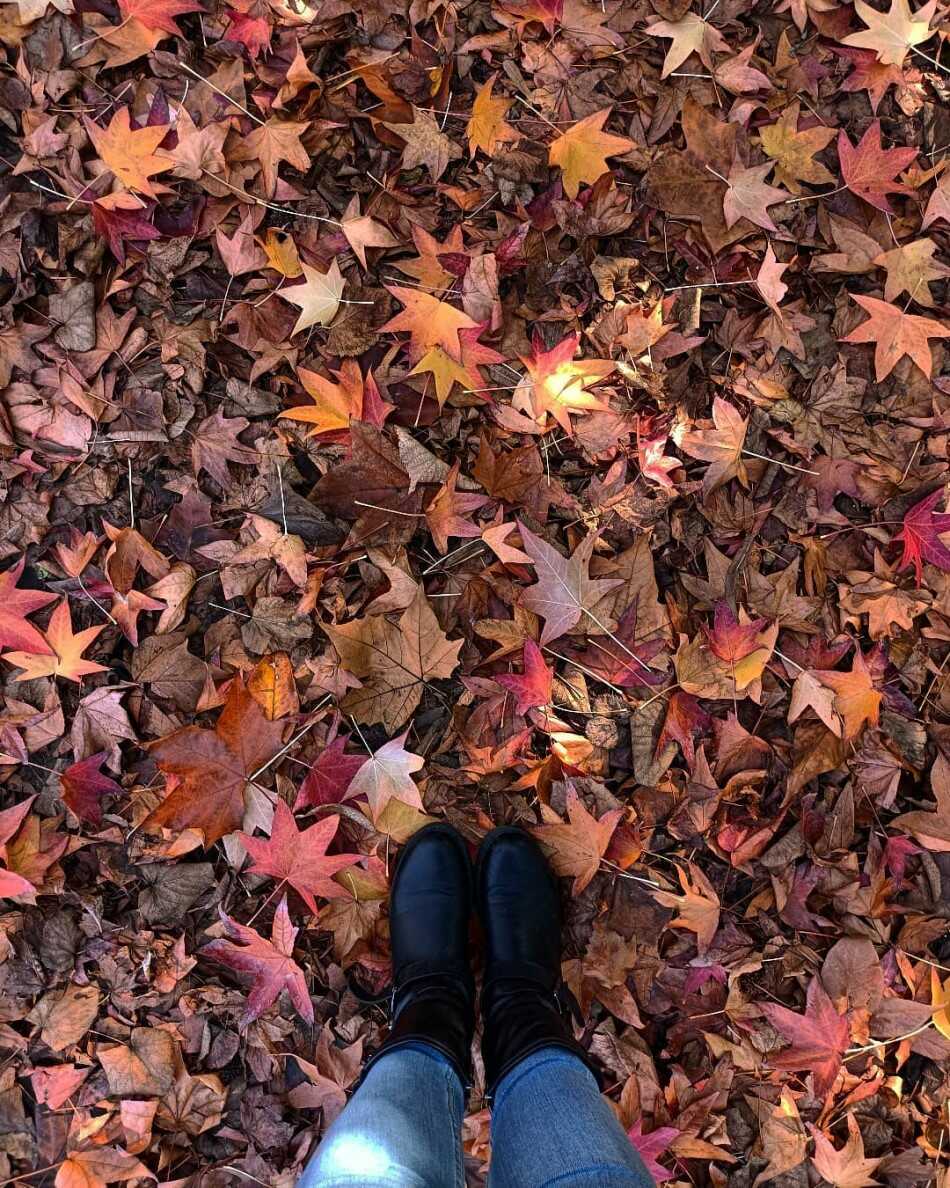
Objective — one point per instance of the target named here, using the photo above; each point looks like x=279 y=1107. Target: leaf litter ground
x=517 y=411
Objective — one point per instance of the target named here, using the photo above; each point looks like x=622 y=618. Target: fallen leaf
x=270 y=963
x=581 y=152
x=576 y=848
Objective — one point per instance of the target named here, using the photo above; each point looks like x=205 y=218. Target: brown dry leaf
x=577 y=847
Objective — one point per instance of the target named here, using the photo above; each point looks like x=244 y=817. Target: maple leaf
x=427 y=269
x=286 y=549
x=363 y=232
x=891 y=34
x=430 y=322
x=271 y=143
x=577 y=847
x=117 y=222
x=64 y=659
x=581 y=152
x=684 y=718
x=895 y=334
x=11 y=883
x=387 y=775
x=691 y=35
x=270 y=963
x=870 y=75
x=559 y=382
x=329 y=777
x=533 y=687
x=869 y=170
x=650 y=1146
x=215 y=443
x=932 y=829
x=912 y=269
x=299 y=857
x=793 y=151
x=15 y=604
x=241 y=253
x=97 y=1166
x=921 y=531
x=698 y=906
x=722 y=446
x=818 y=1038
x=211 y=769
x=158 y=14
x=809 y=693
x=318 y=298
x=748 y=197
x=446 y=514
x=394 y=662
x=856 y=699
x=620 y=658
x=565 y=589
x=486 y=128
x=84 y=785
x=847 y=1168
x=253 y=32
x=336 y=404
x=426 y=144
x=130 y=152
x=729 y=639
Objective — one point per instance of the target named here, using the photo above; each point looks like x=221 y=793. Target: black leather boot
x=525 y=1005
x=433 y=996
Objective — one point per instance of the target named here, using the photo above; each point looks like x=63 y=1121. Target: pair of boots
x=523 y=1003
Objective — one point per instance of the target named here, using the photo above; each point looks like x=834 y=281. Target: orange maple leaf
x=895 y=334
x=158 y=14
x=66 y=659
x=351 y=398
x=559 y=382
x=582 y=151
x=430 y=322
x=576 y=848
x=698 y=906
x=130 y=152
x=487 y=127
x=856 y=699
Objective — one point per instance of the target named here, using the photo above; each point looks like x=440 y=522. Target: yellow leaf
x=582 y=151
x=486 y=127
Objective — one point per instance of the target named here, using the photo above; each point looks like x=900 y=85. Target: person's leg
x=550 y=1125
x=551 y=1128
x=401 y=1129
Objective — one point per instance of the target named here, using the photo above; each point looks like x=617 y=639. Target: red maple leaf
x=729 y=639
x=532 y=688
x=620 y=658
x=921 y=536
x=299 y=857
x=270 y=963
x=329 y=776
x=817 y=1039
x=84 y=785
x=684 y=718
x=869 y=170
x=15 y=605
x=116 y=225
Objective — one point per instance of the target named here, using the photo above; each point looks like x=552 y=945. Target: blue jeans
x=402 y=1129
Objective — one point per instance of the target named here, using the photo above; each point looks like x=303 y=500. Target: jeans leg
x=550 y=1126
x=401 y=1129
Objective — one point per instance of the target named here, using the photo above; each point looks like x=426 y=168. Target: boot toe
x=431 y=899
x=518 y=901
